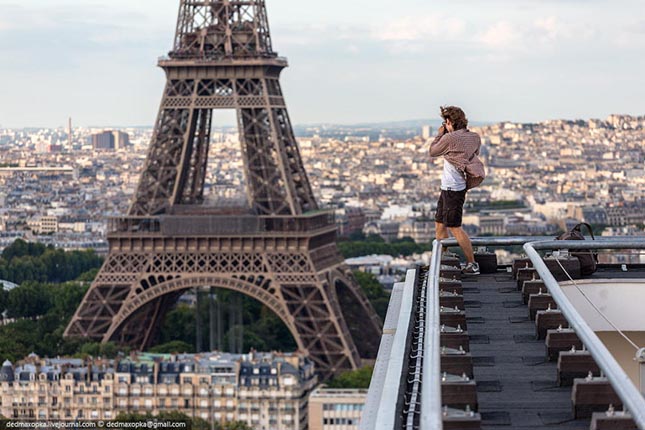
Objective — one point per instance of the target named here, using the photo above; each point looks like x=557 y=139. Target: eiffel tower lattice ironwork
x=280 y=250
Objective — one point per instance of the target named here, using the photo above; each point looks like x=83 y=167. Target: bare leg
x=441 y=232
x=464 y=242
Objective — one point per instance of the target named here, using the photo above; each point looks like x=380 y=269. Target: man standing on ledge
x=458 y=146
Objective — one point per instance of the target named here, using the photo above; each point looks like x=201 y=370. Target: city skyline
x=94 y=62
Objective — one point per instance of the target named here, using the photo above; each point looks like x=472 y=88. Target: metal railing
x=617 y=377
x=431 y=377
x=219 y=58
x=431 y=418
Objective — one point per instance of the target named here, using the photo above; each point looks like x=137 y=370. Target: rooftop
x=512 y=348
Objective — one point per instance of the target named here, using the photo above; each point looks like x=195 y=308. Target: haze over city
x=349 y=62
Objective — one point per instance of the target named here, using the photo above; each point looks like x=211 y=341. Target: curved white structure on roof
x=609 y=305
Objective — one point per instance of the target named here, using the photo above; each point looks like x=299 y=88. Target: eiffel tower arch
x=279 y=249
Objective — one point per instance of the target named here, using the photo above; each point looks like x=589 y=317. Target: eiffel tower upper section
x=222 y=29
x=222 y=58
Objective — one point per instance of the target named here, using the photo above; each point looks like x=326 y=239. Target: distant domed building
x=6 y=372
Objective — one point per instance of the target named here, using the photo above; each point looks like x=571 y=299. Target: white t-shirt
x=452 y=178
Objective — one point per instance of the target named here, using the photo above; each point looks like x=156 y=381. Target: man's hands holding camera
x=443 y=129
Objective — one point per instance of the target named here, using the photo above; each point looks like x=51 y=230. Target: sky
x=349 y=61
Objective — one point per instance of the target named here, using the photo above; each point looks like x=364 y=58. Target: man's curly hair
x=456 y=116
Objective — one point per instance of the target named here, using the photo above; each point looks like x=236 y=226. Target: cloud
x=501 y=35
x=527 y=37
x=551 y=30
x=638 y=27
x=394 y=36
x=300 y=35
x=418 y=28
x=63 y=36
x=353 y=49
x=549 y=27
x=540 y=36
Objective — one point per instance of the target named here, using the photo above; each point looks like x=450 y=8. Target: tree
x=234 y=425
x=68 y=345
x=359 y=378
x=376 y=294
x=263 y=330
x=66 y=298
x=23 y=269
x=405 y=239
x=91 y=349
x=28 y=300
x=168 y=416
x=88 y=276
x=26 y=261
x=4 y=296
x=179 y=324
x=130 y=417
x=19 y=339
x=17 y=249
x=272 y=331
x=11 y=349
x=97 y=349
x=174 y=346
x=369 y=284
x=376 y=245
x=357 y=235
x=375 y=238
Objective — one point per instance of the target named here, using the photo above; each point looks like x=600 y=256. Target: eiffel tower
x=279 y=249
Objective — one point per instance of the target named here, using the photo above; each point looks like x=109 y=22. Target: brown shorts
x=450 y=208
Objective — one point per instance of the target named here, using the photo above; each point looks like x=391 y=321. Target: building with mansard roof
x=265 y=390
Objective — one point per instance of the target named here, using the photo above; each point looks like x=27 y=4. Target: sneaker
x=470 y=269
